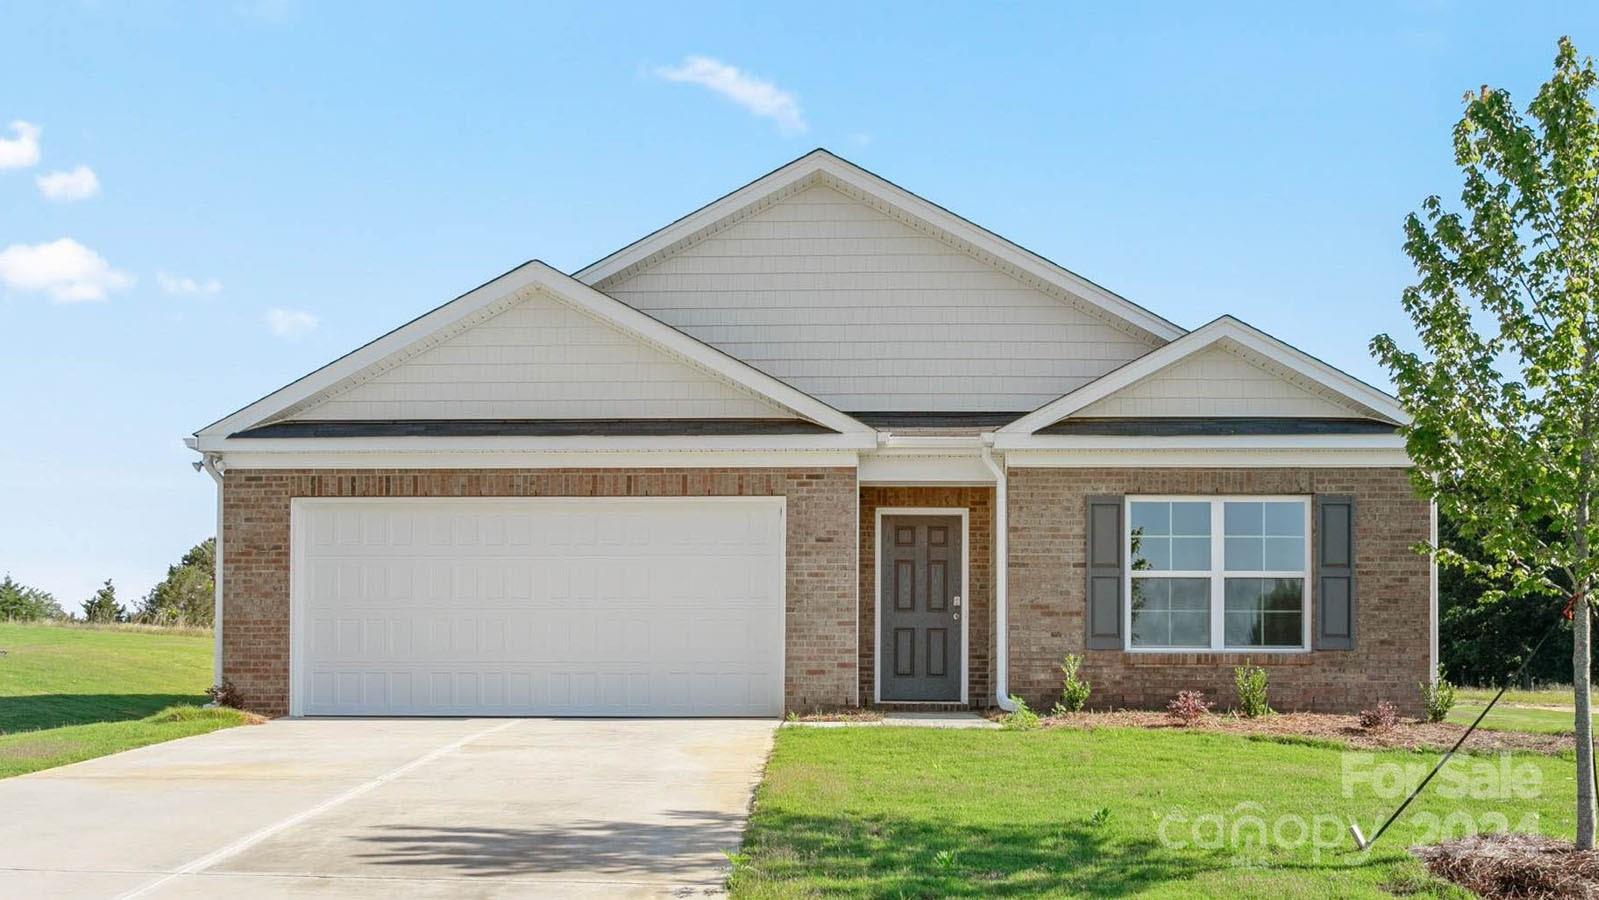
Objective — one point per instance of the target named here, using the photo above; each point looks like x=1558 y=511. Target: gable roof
x=822 y=166
x=487 y=300
x=1225 y=331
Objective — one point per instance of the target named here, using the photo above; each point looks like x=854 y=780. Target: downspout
x=1001 y=578
x=214 y=468
x=1432 y=596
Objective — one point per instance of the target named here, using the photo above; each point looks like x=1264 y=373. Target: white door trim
x=877 y=590
x=297 y=649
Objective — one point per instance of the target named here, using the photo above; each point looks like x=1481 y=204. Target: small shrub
x=944 y=859
x=1074 y=690
x=1188 y=707
x=1022 y=718
x=1383 y=717
x=1251 y=684
x=1099 y=818
x=225 y=694
x=1438 y=697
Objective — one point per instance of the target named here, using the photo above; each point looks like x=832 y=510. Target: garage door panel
x=655 y=607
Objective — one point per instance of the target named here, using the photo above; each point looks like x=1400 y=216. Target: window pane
x=1243 y=519
x=1244 y=554
x=1151 y=518
x=1190 y=593
x=1151 y=553
x=1191 y=519
x=1284 y=630
x=1264 y=612
x=1171 y=612
x=1168 y=536
x=1190 y=554
x=1189 y=629
x=1282 y=594
x=1284 y=554
x=1241 y=630
x=1285 y=519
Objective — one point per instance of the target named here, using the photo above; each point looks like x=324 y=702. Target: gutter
x=1001 y=578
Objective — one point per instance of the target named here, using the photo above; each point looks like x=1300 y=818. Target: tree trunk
x=1580 y=654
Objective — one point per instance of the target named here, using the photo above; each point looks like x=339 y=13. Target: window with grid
x=1218 y=573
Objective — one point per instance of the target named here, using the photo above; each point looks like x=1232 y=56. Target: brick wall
x=979 y=501
x=821 y=547
x=1047 y=584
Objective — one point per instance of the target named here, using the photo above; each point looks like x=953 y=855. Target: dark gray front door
x=919 y=638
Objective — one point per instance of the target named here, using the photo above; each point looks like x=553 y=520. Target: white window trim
x=1217 y=574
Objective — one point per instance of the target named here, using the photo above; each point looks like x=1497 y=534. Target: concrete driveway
x=392 y=807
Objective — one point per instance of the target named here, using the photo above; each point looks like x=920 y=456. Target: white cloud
x=23 y=150
x=65 y=269
x=77 y=184
x=761 y=98
x=290 y=323
x=184 y=286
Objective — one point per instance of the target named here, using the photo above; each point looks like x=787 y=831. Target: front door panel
x=920 y=643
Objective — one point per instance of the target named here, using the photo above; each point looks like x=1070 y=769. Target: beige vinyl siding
x=542 y=359
x=1214 y=382
x=865 y=312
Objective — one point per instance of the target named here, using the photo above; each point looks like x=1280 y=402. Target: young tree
x=103 y=606
x=1506 y=399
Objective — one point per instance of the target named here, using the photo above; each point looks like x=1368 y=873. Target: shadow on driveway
x=685 y=845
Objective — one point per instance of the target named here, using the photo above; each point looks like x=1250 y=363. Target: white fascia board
x=1224 y=328
x=1231 y=442
x=1210 y=458
x=537 y=274
x=889 y=441
x=593 y=459
x=564 y=444
x=929 y=468
x=892 y=195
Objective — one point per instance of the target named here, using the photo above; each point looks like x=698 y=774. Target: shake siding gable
x=539 y=359
x=1215 y=382
x=865 y=312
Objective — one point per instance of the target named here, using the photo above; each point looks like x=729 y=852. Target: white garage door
x=585 y=607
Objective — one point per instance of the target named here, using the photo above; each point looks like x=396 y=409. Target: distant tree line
x=1485 y=632
x=184 y=597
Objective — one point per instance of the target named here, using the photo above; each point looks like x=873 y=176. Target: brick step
x=925 y=707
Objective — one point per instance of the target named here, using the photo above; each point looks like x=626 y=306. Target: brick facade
x=1048 y=582
x=979 y=503
x=821 y=546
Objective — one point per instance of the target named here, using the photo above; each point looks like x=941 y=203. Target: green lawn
x=1506 y=717
x=72 y=693
x=888 y=812
x=1553 y=695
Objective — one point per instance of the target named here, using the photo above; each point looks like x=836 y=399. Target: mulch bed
x=1407 y=735
x=1521 y=866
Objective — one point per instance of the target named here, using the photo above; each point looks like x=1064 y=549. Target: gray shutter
x=1105 y=542
x=1334 y=596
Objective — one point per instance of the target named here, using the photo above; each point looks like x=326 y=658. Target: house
x=821 y=443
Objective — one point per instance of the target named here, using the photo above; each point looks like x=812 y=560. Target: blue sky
x=274 y=182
